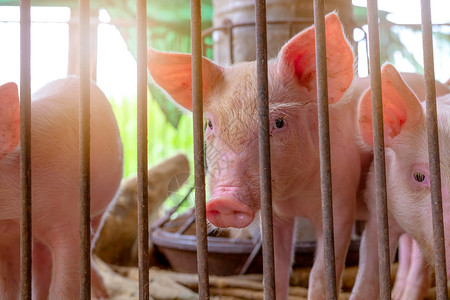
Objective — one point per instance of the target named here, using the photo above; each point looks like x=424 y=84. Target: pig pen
x=206 y=286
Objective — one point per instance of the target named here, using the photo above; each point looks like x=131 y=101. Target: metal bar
x=291 y=25
x=188 y=223
x=143 y=257
x=251 y=257
x=433 y=152
x=199 y=152
x=25 y=151
x=264 y=149
x=229 y=30
x=366 y=41
x=231 y=45
x=84 y=144
x=324 y=149
x=225 y=26
x=378 y=151
x=169 y=213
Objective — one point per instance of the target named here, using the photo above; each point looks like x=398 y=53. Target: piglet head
x=407 y=162
x=9 y=118
x=231 y=127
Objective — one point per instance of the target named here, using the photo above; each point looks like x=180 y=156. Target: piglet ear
x=9 y=118
x=172 y=72
x=401 y=108
x=297 y=59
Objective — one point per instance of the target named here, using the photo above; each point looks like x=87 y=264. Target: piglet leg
x=412 y=280
x=366 y=284
x=342 y=231
x=367 y=280
x=42 y=271
x=66 y=265
x=404 y=263
x=9 y=271
x=283 y=235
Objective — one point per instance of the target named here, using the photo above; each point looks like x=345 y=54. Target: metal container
x=234 y=31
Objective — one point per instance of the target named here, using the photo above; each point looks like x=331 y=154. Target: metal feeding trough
x=175 y=239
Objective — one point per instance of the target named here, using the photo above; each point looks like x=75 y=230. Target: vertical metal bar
x=366 y=41
x=25 y=151
x=199 y=154
x=433 y=152
x=378 y=137
x=229 y=31
x=231 y=45
x=264 y=149
x=84 y=140
x=324 y=149
x=143 y=258
x=291 y=29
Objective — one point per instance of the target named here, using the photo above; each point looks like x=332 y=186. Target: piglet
x=407 y=178
x=55 y=184
x=231 y=137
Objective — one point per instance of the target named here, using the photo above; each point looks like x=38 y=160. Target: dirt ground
x=122 y=284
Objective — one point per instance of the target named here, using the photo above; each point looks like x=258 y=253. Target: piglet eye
x=280 y=122
x=418 y=176
x=209 y=124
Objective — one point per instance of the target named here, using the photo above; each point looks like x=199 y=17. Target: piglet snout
x=228 y=211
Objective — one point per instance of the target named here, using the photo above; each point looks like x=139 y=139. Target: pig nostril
x=213 y=212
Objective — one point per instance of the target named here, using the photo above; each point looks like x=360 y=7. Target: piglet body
x=55 y=184
x=231 y=136
x=408 y=183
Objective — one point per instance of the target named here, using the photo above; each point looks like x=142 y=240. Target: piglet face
x=409 y=184
x=407 y=160
x=231 y=138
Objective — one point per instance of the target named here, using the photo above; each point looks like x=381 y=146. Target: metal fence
x=264 y=151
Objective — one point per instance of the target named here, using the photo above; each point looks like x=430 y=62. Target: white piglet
x=55 y=185
x=231 y=138
x=407 y=178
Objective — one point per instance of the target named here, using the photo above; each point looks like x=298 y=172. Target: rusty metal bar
x=264 y=149
x=228 y=28
x=25 y=151
x=433 y=152
x=84 y=144
x=143 y=234
x=288 y=21
x=251 y=257
x=291 y=29
x=378 y=151
x=324 y=149
x=199 y=151
x=231 y=37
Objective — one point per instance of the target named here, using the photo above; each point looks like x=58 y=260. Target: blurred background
x=54 y=54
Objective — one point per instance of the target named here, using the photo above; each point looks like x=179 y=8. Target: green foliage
x=394 y=48
x=168 y=29
x=164 y=140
